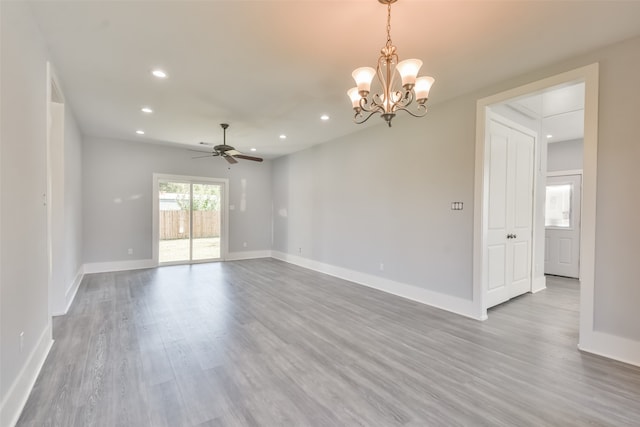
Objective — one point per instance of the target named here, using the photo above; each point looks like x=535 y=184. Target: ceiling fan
x=229 y=153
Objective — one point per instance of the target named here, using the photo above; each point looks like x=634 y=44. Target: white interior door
x=562 y=225
x=510 y=212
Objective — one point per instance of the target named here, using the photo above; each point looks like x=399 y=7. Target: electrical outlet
x=244 y=244
x=21 y=341
x=381 y=267
x=130 y=251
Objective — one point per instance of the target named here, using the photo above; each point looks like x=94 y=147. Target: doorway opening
x=587 y=77
x=189 y=219
x=557 y=114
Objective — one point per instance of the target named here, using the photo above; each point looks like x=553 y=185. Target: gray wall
x=617 y=285
x=121 y=170
x=24 y=292
x=382 y=195
x=565 y=155
x=23 y=252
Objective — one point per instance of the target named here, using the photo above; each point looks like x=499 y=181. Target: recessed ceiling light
x=159 y=74
x=253 y=149
x=146 y=110
x=549 y=136
x=283 y=136
x=140 y=132
x=324 y=117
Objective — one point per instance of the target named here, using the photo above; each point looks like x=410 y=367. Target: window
x=558 y=206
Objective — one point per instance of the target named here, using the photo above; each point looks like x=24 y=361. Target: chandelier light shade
x=409 y=95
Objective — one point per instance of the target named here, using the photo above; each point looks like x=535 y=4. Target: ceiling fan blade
x=202 y=157
x=230 y=159
x=245 y=157
x=232 y=152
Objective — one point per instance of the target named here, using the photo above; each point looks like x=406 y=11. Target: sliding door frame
x=224 y=215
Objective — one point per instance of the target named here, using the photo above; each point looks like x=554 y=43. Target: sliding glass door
x=206 y=221
x=175 y=221
x=189 y=220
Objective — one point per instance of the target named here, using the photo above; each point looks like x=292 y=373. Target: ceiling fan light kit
x=393 y=97
x=227 y=152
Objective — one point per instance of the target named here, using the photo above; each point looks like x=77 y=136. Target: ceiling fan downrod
x=224 y=127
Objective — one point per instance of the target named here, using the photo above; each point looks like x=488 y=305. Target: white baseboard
x=236 y=256
x=538 y=284
x=106 y=267
x=73 y=289
x=70 y=294
x=111 y=266
x=435 y=299
x=611 y=346
x=15 y=399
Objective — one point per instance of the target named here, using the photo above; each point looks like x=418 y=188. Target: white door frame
x=224 y=211
x=589 y=75
x=53 y=198
x=565 y=172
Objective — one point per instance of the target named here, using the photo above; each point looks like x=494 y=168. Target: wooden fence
x=175 y=224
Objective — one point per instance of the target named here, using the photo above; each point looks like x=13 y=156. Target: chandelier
x=391 y=98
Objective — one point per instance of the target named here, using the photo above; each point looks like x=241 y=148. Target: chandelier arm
x=377 y=103
x=393 y=62
x=404 y=99
x=376 y=107
x=377 y=99
x=360 y=121
x=386 y=76
x=418 y=113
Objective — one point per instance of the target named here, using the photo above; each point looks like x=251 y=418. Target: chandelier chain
x=389 y=24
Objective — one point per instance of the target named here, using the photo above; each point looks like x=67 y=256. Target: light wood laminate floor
x=265 y=343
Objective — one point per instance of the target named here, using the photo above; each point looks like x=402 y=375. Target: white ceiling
x=273 y=67
x=561 y=111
